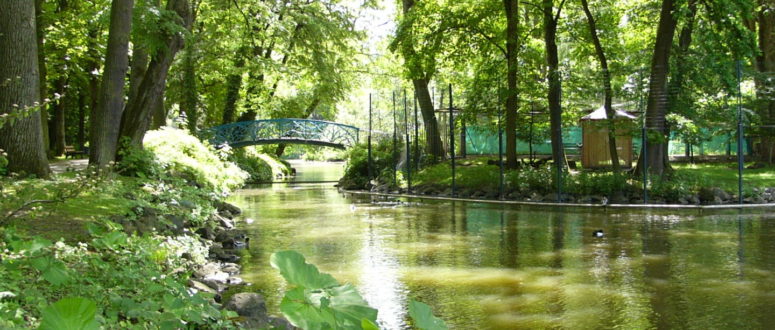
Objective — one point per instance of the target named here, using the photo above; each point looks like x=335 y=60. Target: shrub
x=3 y=163
x=184 y=155
x=357 y=170
x=132 y=280
x=260 y=167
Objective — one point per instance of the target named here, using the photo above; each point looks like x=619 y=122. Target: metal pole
x=416 y=136
x=644 y=146
x=452 y=140
x=371 y=162
x=395 y=143
x=500 y=149
x=408 y=163
x=739 y=135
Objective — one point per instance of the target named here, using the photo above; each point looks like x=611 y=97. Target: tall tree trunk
x=22 y=139
x=765 y=83
x=57 y=132
x=420 y=80
x=137 y=117
x=159 y=115
x=40 y=29
x=553 y=76
x=656 y=107
x=233 y=85
x=81 y=135
x=609 y=111
x=511 y=7
x=106 y=117
x=190 y=97
x=433 y=146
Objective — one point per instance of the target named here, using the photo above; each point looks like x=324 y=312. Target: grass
x=724 y=175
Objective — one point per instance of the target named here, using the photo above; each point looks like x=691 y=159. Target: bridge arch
x=284 y=130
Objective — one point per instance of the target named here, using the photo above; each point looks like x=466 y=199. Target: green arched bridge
x=286 y=130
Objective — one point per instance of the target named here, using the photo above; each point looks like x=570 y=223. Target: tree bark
x=58 y=121
x=21 y=139
x=138 y=115
x=190 y=97
x=765 y=83
x=81 y=135
x=656 y=108
x=607 y=91
x=433 y=146
x=40 y=28
x=106 y=117
x=511 y=8
x=233 y=85
x=554 y=94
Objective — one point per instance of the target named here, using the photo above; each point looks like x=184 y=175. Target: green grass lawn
x=724 y=175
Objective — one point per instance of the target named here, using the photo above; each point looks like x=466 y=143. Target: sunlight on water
x=493 y=267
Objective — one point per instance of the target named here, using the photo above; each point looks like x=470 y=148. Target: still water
x=484 y=266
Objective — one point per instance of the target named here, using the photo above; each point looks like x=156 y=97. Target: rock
x=717 y=200
x=683 y=201
x=230 y=268
x=200 y=287
x=220 y=254
x=218 y=276
x=280 y=323
x=223 y=221
x=694 y=199
x=226 y=207
x=720 y=193
x=206 y=233
x=234 y=280
x=177 y=224
x=706 y=195
x=215 y=285
x=233 y=239
x=207 y=269
x=247 y=304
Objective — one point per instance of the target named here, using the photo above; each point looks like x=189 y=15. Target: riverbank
x=151 y=244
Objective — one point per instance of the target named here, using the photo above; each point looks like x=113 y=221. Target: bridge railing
x=286 y=130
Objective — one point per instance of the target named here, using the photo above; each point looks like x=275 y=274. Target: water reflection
x=485 y=266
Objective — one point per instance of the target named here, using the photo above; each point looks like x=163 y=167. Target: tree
x=608 y=92
x=657 y=104
x=554 y=94
x=511 y=8
x=139 y=111
x=21 y=137
x=765 y=83
x=419 y=70
x=106 y=116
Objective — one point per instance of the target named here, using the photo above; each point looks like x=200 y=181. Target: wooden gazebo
x=594 y=149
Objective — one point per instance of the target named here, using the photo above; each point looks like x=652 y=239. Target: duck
x=598 y=233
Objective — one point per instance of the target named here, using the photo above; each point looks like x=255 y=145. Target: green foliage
x=423 y=317
x=70 y=313
x=260 y=167
x=3 y=163
x=183 y=155
x=121 y=280
x=591 y=183
x=317 y=300
x=357 y=170
x=137 y=162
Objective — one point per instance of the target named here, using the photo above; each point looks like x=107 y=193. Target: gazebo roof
x=599 y=114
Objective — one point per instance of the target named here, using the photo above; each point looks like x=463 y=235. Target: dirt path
x=61 y=166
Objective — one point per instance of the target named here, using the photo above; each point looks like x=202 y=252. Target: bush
x=3 y=163
x=181 y=154
x=132 y=281
x=590 y=183
x=260 y=167
x=357 y=171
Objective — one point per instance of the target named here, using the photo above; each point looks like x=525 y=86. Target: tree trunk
x=553 y=76
x=40 y=29
x=106 y=117
x=159 y=115
x=22 y=139
x=190 y=97
x=656 y=108
x=433 y=145
x=511 y=8
x=420 y=80
x=81 y=135
x=765 y=83
x=58 y=121
x=137 y=117
x=609 y=111
x=233 y=85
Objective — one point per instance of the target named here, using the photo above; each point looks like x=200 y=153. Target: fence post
x=452 y=140
x=408 y=157
x=395 y=143
x=371 y=162
x=416 y=136
x=500 y=150
x=739 y=135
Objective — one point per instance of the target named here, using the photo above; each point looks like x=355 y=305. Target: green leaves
x=52 y=270
x=318 y=301
x=423 y=317
x=70 y=313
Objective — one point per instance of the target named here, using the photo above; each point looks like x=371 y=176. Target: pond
x=482 y=266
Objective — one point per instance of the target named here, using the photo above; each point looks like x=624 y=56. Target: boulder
x=200 y=287
x=248 y=305
x=222 y=221
x=226 y=207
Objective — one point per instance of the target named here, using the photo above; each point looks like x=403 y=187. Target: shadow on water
x=504 y=267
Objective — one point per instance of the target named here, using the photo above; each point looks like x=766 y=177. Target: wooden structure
x=594 y=150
